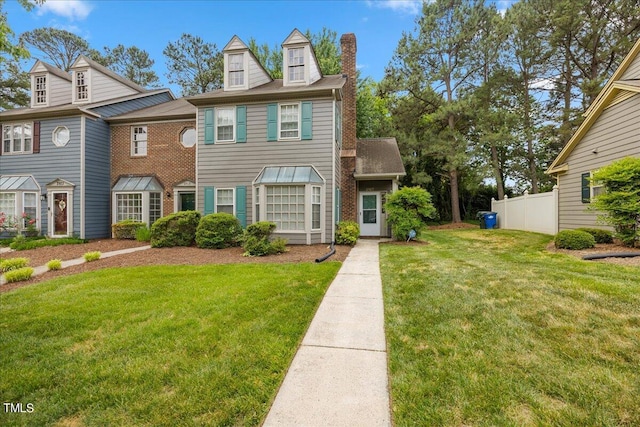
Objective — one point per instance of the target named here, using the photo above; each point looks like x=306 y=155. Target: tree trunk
x=497 y=171
x=455 y=197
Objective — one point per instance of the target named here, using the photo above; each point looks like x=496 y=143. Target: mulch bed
x=157 y=256
x=602 y=249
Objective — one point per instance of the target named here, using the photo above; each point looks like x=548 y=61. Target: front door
x=60 y=214
x=369 y=214
x=187 y=201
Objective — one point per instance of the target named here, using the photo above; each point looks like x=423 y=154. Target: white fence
x=530 y=212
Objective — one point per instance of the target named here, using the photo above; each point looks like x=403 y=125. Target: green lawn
x=486 y=328
x=155 y=346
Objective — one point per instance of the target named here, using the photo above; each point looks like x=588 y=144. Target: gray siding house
x=285 y=150
x=610 y=131
x=54 y=155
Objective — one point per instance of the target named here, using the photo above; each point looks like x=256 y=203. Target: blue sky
x=151 y=25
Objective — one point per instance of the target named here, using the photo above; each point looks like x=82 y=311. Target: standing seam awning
x=137 y=183
x=288 y=175
x=18 y=183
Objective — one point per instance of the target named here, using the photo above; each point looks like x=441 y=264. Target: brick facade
x=167 y=159
x=348 y=152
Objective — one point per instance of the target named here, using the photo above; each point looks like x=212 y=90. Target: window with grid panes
x=8 y=205
x=257 y=192
x=41 y=89
x=224 y=200
x=139 y=141
x=29 y=207
x=17 y=138
x=285 y=206
x=155 y=207
x=82 y=92
x=289 y=121
x=225 y=121
x=129 y=206
x=296 y=64
x=236 y=70
x=315 y=208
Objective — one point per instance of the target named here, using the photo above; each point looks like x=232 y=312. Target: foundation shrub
x=601 y=236
x=126 y=229
x=347 y=233
x=574 y=239
x=176 y=229
x=218 y=231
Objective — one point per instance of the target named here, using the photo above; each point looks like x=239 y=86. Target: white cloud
x=411 y=7
x=70 y=9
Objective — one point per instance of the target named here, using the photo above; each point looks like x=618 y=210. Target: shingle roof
x=274 y=89
x=172 y=110
x=378 y=157
x=108 y=72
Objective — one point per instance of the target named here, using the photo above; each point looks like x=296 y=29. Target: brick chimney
x=348 y=152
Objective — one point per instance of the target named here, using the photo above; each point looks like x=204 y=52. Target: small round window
x=61 y=136
x=188 y=137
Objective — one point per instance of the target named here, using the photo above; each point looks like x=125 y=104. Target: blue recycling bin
x=490 y=219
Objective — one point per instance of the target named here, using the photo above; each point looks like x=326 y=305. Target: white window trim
x=308 y=209
x=69 y=207
x=289 y=138
x=146 y=151
x=592 y=187
x=53 y=136
x=146 y=205
x=245 y=74
x=305 y=56
x=87 y=83
x=181 y=136
x=311 y=208
x=38 y=209
x=13 y=214
x=34 y=95
x=215 y=125
x=11 y=152
x=233 y=198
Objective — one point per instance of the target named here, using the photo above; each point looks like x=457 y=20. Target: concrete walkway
x=339 y=374
x=43 y=268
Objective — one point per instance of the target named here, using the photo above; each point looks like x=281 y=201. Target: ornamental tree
x=409 y=209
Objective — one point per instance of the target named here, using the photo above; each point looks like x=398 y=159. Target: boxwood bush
x=218 y=231
x=126 y=229
x=347 y=233
x=574 y=239
x=256 y=240
x=176 y=229
x=601 y=236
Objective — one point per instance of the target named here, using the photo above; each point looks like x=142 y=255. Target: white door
x=369 y=214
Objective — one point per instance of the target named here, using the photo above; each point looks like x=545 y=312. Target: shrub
x=54 y=264
x=347 y=233
x=92 y=256
x=33 y=244
x=18 y=275
x=218 y=231
x=176 y=229
x=409 y=209
x=13 y=264
x=601 y=236
x=143 y=234
x=126 y=229
x=574 y=239
x=256 y=240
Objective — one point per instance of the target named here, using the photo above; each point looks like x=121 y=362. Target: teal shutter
x=307 y=115
x=241 y=123
x=209 y=200
x=586 y=187
x=272 y=122
x=209 y=129
x=241 y=204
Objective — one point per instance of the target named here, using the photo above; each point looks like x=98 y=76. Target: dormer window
x=82 y=90
x=236 y=69
x=40 y=90
x=296 y=64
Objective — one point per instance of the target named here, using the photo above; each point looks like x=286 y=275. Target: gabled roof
x=235 y=44
x=104 y=70
x=297 y=38
x=51 y=69
x=614 y=91
x=272 y=90
x=18 y=183
x=378 y=157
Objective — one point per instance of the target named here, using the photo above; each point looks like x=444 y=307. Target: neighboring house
x=285 y=150
x=153 y=161
x=54 y=155
x=610 y=131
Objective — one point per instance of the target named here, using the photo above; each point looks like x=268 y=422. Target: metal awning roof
x=289 y=175
x=137 y=183
x=18 y=183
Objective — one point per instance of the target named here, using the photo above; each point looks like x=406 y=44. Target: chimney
x=348 y=152
x=348 y=46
